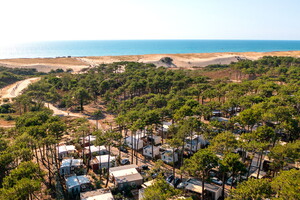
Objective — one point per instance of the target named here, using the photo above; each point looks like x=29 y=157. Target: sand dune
x=179 y=60
x=45 y=64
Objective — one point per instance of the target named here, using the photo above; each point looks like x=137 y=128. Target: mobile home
x=147 y=151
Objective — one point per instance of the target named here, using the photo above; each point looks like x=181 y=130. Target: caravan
x=197 y=142
x=167 y=156
x=147 y=151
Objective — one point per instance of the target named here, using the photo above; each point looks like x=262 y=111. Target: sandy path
x=62 y=113
x=16 y=89
x=59 y=112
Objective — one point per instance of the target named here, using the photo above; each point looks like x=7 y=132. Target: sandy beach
x=179 y=60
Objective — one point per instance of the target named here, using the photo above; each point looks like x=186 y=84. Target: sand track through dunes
x=16 y=89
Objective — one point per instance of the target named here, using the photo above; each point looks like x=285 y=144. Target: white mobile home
x=165 y=126
x=214 y=192
x=147 y=151
x=125 y=175
x=68 y=166
x=167 y=156
x=195 y=143
x=134 y=141
x=65 y=151
x=219 y=119
x=76 y=184
x=262 y=174
x=73 y=185
x=102 y=162
x=88 y=140
x=95 y=150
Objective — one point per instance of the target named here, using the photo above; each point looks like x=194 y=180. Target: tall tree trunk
x=232 y=181
x=152 y=143
x=243 y=154
x=44 y=151
x=36 y=155
x=132 y=147
x=182 y=152
x=81 y=104
x=100 y=164
x=197 y=141
x=162 y=133
x=259 y=166
x=173 y=154
x=120 y=144
x=136 y=155
x=49 y=167
x=90 y=155
x=56 y=156
x=191 y=150
x=41 y=155
x=223 y=185
x=249 y=168
x=202 y=195
x=107 y=176
x=83 y=145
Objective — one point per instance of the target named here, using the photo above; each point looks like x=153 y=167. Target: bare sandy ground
x=179 y=60
x=14 y=90
x=45 y=64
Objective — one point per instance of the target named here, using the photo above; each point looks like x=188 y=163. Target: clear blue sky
x=149 y=19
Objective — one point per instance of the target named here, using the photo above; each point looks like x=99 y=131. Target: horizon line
x=60 y=40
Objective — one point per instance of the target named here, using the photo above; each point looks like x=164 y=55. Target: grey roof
x=83 y=179
x=100 y=194
x=113 y=169
x=207 y=186
x=66 y=163
x=72 y=181
x=128 y=178
x=71 y=162
x=76 y=162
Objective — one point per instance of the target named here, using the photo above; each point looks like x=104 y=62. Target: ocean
x=139 y=47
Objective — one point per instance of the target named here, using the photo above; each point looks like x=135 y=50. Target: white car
x=216 y=181
x=182 y=185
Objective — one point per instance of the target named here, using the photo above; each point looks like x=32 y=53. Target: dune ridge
x=178 y=60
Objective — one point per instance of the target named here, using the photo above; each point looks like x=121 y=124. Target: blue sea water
x=139 y=47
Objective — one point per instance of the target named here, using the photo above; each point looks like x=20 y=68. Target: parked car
x=169 y=179
x=175 y=182
x=212 y=173
x=216 y=181
x=123 y=149
x=229 y=181
x=125 y=161
x=243 y=177
x=154 y=175
x=182 y=185
x=144 y=167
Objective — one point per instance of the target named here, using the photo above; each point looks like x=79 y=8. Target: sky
x=44 y=20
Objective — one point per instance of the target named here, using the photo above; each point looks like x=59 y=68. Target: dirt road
x=62 y=113
x=16 y=89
